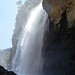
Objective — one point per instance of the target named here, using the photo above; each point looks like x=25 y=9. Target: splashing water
x=28 y=60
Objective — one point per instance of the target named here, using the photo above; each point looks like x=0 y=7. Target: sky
x=8 y=12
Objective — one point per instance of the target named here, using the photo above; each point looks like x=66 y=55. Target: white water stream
x=27 y=59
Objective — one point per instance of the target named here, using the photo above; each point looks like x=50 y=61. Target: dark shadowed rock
x=5 y=72
x=59 y=48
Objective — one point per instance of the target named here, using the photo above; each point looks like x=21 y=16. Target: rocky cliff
x=59 y=39
x=56 y=7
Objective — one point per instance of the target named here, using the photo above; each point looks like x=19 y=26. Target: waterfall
x=27 y=59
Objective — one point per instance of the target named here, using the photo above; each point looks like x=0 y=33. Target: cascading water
x=27 y=59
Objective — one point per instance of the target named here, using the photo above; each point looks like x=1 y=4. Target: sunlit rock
x=55 y=8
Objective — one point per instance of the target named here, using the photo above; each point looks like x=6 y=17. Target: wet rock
x=5 y=72
x=59 y=48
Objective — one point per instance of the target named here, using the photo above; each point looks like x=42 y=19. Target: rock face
x=57 y=7
x=59 y=39
x=4 y=57
x=5 y=72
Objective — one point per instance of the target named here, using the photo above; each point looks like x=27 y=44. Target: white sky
x=8 y=11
